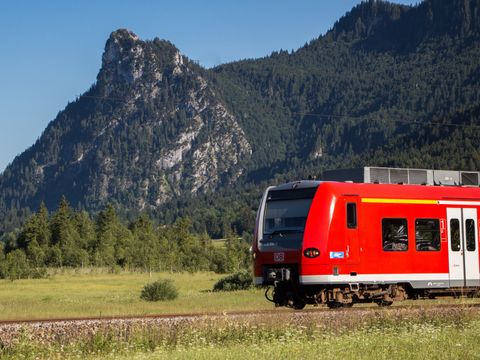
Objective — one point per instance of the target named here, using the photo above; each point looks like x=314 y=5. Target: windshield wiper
x=282 y=232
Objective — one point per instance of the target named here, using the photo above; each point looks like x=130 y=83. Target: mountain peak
x=120 y=34
x=121 y=46
x=150 y=129
x=383 y=26
x=368 y=16
x=458 y=17
x=127 y=58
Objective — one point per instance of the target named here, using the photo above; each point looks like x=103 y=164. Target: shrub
x=159 y=290
x=15 y=266
x=239 y=281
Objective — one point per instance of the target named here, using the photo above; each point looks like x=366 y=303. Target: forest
x=71 y=238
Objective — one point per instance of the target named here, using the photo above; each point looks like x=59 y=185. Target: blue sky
x=51 y=50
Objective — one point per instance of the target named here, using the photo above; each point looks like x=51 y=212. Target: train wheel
x=384 y=303
x=334 y=304
x=474 y=294
x=299 y=304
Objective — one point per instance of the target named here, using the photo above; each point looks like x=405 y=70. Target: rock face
x=150 y=129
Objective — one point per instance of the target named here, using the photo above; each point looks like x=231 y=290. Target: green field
x=94 y=292
x=441 y=341
x=90 y=293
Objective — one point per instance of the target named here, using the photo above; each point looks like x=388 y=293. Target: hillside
x=387 y=85
x=149 y=129
x=353 y=94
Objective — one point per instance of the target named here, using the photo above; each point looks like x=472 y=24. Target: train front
x=278 y=237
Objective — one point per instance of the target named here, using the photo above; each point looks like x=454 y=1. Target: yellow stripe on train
x=399 y=201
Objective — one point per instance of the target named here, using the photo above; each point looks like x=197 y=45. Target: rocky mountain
x=387 y=85
x=151 y=128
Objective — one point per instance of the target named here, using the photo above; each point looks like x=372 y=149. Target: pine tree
x=145 y=250
x=103 y=250
x=65 y=236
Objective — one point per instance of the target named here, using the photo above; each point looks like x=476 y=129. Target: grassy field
x=403 y=342
x=93 y=292
x=96 y=293
x=423 y=343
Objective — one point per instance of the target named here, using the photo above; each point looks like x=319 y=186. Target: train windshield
x=285 y=216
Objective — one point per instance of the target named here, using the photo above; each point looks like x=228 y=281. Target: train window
x=470 y=234
x=286 y=216
x=352 y=215
x=455 y=234
x=395 y=234
x=427 y=234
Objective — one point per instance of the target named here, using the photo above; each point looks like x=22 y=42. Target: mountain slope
x=361 y=96
x=387 y=85
x=149 y=129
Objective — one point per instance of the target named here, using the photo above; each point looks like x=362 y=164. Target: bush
x=159 y=290
x=239 y=281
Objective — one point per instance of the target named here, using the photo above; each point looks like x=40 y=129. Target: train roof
x=385 y=190
x=402 y=191
x=300 y=184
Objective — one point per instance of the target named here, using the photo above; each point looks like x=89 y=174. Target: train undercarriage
x=297 y=296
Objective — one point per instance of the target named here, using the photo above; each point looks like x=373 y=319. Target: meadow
x=415 y=341
x=95 y=293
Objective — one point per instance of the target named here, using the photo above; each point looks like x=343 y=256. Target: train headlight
x=311 y=253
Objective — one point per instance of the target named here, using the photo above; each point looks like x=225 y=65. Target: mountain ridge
x=122 y=104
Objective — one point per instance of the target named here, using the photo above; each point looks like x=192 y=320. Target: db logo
x=279 y=257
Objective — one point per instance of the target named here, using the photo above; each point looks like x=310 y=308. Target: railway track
x=240 y=314
x=80 y=329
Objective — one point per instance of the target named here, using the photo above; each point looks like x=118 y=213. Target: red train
x=343 y=243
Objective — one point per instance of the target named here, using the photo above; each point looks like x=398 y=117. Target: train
x=342 y=243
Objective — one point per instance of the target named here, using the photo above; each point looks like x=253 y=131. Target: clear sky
x=50 y=51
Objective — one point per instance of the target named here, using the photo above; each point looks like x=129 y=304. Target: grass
x=220 y=243
x=94 y=292
x=423 y=342
x=399 y=334
x=392 y=344
x=81 y=294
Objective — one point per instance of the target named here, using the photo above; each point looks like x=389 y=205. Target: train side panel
x=405 y=263
x=359 y=254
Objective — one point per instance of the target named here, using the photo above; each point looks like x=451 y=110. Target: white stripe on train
x=372 y=278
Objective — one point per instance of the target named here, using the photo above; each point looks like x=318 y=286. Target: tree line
x=73 y=238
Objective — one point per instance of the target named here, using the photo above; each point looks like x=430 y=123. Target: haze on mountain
x=388 y=85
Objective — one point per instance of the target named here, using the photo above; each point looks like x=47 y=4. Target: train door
x=463 y=247
x=351 y=231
